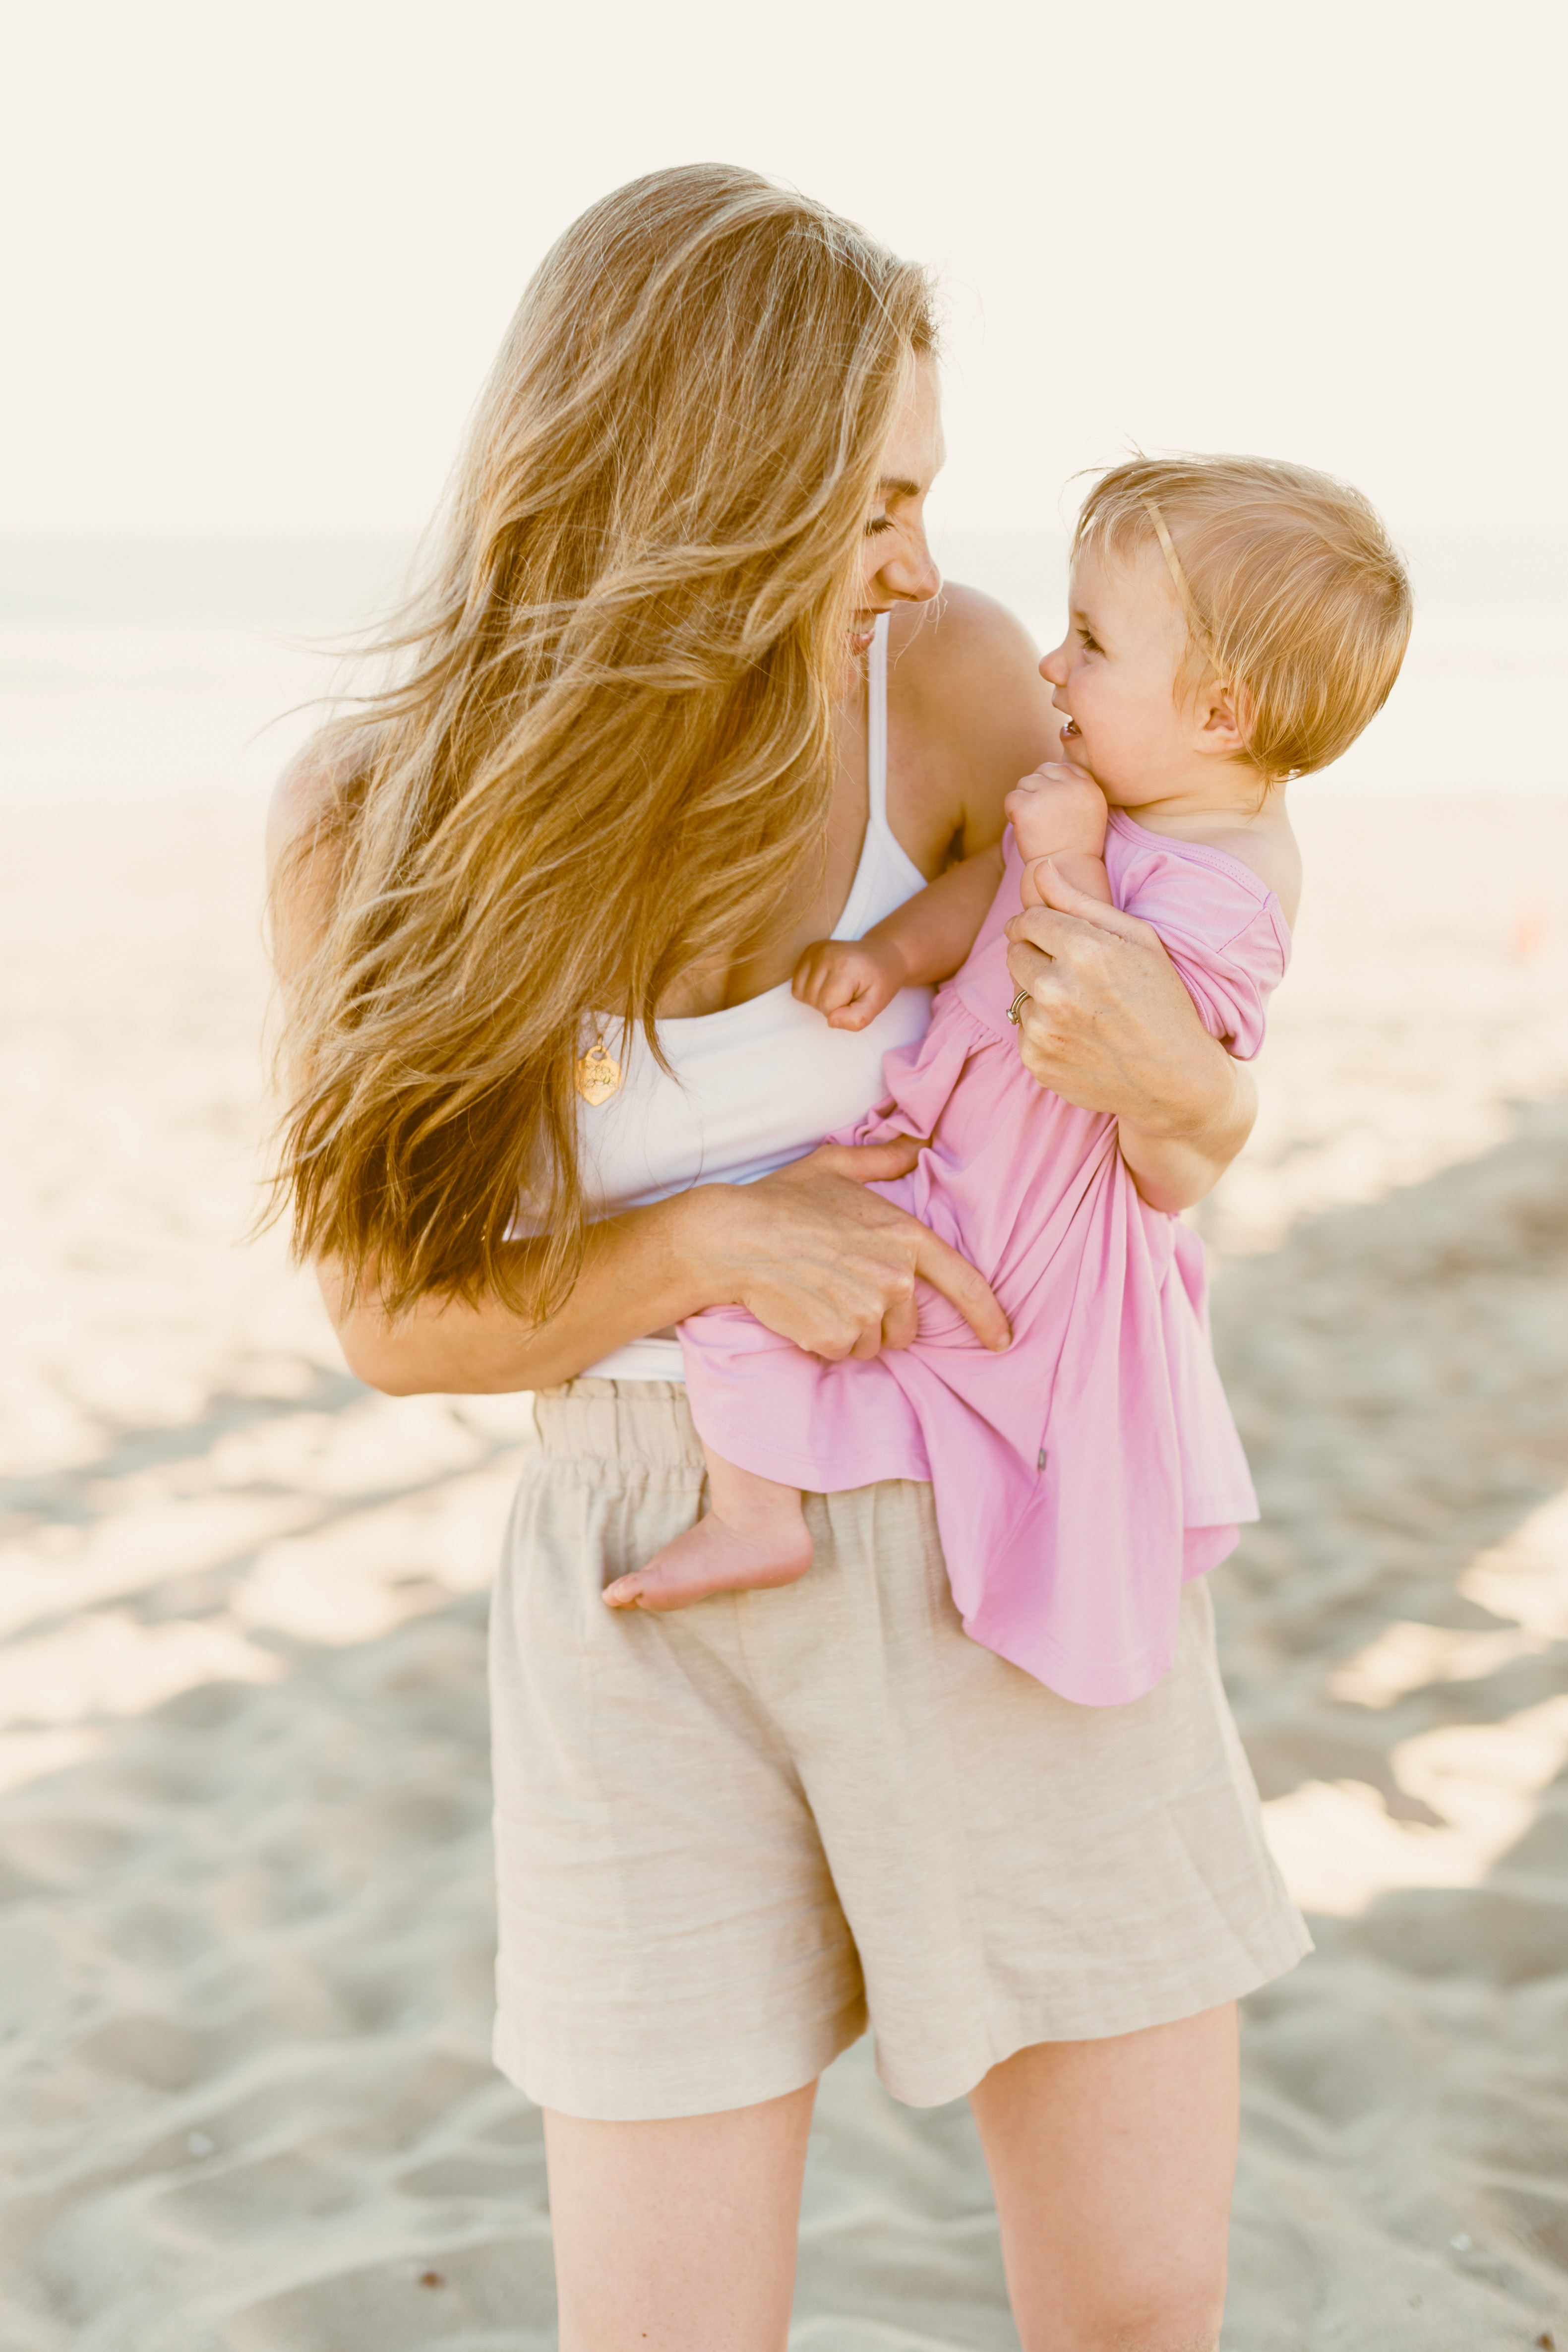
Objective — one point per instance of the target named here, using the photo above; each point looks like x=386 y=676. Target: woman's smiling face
x=895 y=566
x=1115 y=676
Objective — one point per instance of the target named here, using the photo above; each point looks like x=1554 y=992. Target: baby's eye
x=1089 y=642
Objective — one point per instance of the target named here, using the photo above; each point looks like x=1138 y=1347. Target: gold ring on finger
x=1015 y=1008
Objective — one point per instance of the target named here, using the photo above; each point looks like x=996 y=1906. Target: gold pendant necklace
x=598 y=1072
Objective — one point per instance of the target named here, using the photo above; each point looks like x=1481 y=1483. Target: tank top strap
x=877 y=725
x=887 y=875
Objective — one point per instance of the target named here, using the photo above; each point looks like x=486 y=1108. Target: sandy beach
x=245 y=1895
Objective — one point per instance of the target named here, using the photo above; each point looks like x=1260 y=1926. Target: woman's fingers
x=1055 y=892
x=899 y=1325
x=1108 y=1023
x=1067 y=1027
x=938 y=1264
x=1029 y=886
x=923 y=1255
x=838 y=1276
x=867 y=1163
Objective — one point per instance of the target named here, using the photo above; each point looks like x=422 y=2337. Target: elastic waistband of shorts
x=647 y=1422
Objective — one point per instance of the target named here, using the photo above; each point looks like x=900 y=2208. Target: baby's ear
x=1226 y=718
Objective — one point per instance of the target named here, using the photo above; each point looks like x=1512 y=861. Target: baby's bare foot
x=712 y=1557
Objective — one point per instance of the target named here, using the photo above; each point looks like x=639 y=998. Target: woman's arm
x=1110 y=1026
x=809 y=1252
x=968 y=715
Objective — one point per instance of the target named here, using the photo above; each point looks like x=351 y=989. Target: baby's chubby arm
x=922 y=942
x=1060 y=813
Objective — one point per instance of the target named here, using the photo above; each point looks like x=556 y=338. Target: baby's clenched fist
x=1056 y=812
x=849 y=981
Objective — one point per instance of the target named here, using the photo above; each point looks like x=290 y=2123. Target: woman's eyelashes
x=879 y=523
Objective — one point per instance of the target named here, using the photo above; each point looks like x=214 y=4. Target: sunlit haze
x=265 y=258
x=266 y=254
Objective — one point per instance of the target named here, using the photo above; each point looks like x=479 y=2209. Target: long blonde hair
x=609 y=745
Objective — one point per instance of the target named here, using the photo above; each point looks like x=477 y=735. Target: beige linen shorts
x=729 y=1837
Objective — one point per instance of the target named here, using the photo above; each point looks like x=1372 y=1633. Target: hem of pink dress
x=1203 y=1548
x=1103 y=1681
x=816 y=1472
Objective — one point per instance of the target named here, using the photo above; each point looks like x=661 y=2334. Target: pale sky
x=262 y=255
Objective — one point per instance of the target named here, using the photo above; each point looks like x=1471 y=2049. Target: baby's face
x=1115 y=676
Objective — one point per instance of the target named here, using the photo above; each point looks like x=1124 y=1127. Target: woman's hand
x=809 y=1251
x=821 y=1261
x=1110 y=1026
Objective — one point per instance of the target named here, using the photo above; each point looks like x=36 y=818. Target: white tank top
x=756 y=1085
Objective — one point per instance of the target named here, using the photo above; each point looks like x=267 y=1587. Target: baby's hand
x=848 y=979
x=1057 y=810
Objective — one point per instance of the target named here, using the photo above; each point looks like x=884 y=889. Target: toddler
x=1233 y=623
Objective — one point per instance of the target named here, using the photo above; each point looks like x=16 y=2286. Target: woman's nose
x=911 y=573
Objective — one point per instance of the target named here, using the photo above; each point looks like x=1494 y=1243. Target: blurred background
x=258 y=263
x=260 y=259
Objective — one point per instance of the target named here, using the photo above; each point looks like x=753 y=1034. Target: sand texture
x=245 y=1901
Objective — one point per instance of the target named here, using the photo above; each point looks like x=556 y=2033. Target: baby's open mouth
x=1070 y=728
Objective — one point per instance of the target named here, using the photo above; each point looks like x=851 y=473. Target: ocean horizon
x=178 y=667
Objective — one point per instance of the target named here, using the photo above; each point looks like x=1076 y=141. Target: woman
x=683 y=699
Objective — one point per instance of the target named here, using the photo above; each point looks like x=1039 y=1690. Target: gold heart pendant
x=598 y=1075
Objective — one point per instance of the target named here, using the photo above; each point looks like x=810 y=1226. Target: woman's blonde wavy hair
x=608 y=747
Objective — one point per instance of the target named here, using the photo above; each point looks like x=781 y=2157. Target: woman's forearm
x=638 y=1274
x=1175 y=1166
x=811 y=1251
x=1108 y=1025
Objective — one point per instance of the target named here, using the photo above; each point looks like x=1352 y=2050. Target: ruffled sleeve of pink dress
x=1082 y=1477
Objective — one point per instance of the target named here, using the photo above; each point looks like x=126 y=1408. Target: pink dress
x=1083 y=1475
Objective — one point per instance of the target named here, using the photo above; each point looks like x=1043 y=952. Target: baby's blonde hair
x=1294 y=594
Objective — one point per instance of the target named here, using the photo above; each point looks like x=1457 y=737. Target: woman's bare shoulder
x=966 y=676
x=301 y=805
x=304 y=848
x=959 y=642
